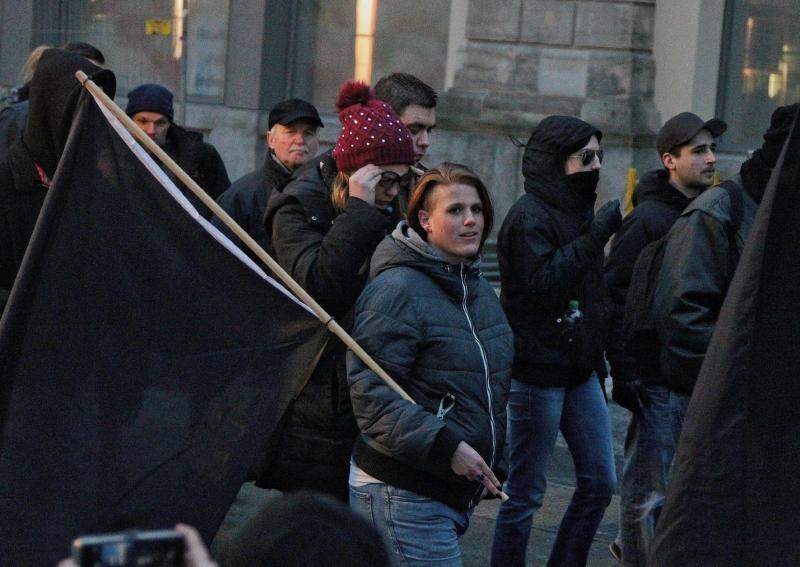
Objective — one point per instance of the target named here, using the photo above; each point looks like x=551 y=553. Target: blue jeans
x=418 y=530
x=535 y=417
x=646 y=472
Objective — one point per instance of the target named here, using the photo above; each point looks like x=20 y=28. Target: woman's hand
x=467 y=462
x=363 y=181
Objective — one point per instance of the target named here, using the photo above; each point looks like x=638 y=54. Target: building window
x=409 y=36
x=206 y=49
x=760 y=67
x=143 y=41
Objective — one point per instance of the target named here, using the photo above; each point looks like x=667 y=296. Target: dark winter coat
x=440 y=332
x=328 y=255
x=54 y=98
x=12 y=125
x=548 y=258
x=658 y=204
x=246 y=200
x=200 y=161
x=697 y=267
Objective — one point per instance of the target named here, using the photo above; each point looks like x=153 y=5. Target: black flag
x=144 y=359
x=734 y=497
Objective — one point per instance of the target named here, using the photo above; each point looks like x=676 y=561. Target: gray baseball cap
x=683 y=127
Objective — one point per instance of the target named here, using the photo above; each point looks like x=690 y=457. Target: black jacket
x=200 y=161
x=328 y=255
x=657 y=206
x=548 y=258
x=55 y=93
x=697 y=268
x=246 y=200
x=12 y=125
x=440 y=332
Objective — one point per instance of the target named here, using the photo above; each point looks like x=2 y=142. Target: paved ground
x=476 y=543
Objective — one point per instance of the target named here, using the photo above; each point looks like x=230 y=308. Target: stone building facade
x=500 y=66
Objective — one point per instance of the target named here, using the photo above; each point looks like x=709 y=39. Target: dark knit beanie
x=371 y=131
x=303 y=528
x=150 y=98
x=779 y=126
x=757 y=170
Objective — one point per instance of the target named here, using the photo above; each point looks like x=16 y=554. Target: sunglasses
x=587 y=156
x=389 y=178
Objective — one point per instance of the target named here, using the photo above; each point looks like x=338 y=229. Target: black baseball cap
x=287 y=111
x=683 y=127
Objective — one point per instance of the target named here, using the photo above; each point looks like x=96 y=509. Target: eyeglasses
x=389 y=178
x=587 y=156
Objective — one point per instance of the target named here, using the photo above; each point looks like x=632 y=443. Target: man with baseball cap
x=150 y=106
x=700 y=258
x=686 y=147
x=292 y=140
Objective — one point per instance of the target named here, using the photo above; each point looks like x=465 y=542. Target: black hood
x=757 y=170
x=551 y=142
x=54 y=94
x=655 y=186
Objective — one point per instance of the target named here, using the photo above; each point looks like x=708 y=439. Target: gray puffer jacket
x=438 y=329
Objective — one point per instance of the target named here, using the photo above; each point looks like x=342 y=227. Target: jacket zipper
x=485 y=371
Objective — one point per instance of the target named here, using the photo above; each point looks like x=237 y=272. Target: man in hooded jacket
x=29 y=166
x=700 y=259
x=686 y=147
x=551 y=251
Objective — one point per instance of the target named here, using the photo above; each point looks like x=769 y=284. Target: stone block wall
x=526 y=59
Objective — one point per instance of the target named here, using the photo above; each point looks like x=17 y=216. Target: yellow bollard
x=717 y=178
x=630 y=184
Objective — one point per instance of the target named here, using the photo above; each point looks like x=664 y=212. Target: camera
x=159 y=548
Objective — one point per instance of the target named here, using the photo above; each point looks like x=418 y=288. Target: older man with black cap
x=150 y=106
x=292 y=140
x=687 y=148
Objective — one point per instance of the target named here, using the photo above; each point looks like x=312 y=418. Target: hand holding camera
x=181 y=547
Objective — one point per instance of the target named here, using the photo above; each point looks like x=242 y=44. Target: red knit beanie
x=371 y=131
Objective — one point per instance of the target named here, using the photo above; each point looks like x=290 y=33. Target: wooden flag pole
x=287 y=280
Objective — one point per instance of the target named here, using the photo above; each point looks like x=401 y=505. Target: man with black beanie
x=150 y=106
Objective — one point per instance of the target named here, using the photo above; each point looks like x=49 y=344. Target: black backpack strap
x=734 y=191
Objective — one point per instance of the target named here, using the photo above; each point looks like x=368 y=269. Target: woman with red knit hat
x=324 y=234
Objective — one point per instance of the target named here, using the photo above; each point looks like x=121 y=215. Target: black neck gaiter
x=584 y=185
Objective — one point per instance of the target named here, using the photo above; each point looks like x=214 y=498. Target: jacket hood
x=54 y=96
x=555 y=138
x=655 y=186
x=405 y=248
